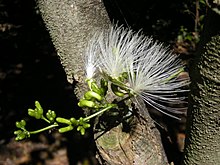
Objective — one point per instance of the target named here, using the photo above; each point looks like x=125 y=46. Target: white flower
x=91 y=57
x=118 y=47
x=153 y=77
x=152 y=70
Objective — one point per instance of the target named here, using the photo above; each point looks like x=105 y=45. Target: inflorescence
x=129 y=65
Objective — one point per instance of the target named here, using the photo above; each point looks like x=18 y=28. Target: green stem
x=99 y=112
x=174 y=75
x=45 y=119
x=44 y=129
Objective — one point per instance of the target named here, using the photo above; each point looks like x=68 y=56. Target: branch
x=71 y=24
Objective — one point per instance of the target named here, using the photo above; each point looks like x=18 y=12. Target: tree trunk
x=139 y=145
x=203 y=123
x=70 y=24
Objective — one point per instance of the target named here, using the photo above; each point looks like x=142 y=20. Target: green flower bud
x=65 y=129
x=86 y=103
x=20 y=137
x=51 y=115
x=20 y=124
x=90 y=95
x=95 y=88
x=103 y=83
x=74 y=121
x=34 y=113
x=81 y=121
x=17 y=132
x=79 y=128
x=63 y=120
x=31 y=112
x=86 y=125
x=39 y=108
x=21 y=134
x=82 y=131
x=104 y=86
x=23 y=123
x=89 y=81
x=38 y=115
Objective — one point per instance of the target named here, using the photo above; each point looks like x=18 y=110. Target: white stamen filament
x=149 y=65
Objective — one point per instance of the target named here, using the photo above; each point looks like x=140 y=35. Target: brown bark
x=70 y=24
x=141 y=145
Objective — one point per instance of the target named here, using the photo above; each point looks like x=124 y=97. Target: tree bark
x=70 y=24
x=203 y=122
x=139 y=145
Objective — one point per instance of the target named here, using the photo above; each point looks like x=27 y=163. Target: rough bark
x=138 y=144
x=203 y=123
x=70 y=24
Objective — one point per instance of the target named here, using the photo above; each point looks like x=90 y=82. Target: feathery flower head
x=118 y=47
x=153 y=77
x=91 y=58
x=152 y=70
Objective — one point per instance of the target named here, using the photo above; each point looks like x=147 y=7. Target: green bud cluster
x=51 y=115
x=71 y=123
x=37 y=112
x=93 y=99
x=22 y=133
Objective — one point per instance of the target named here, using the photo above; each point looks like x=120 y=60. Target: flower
x=152 y=70
x=118 y=47
x=154 y=77
x=91 y=57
